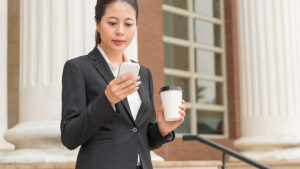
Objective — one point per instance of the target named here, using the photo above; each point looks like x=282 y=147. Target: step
x=163 y=165
x=273 y=164
x=156 y=165
x=187 y=164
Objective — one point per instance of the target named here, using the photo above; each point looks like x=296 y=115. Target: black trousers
x=139 y=167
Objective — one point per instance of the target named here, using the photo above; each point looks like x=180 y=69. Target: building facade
x=237 y=61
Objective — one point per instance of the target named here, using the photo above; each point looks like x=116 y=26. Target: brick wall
x=151 y=55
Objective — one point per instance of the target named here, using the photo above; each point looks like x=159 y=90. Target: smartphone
x=127 y=67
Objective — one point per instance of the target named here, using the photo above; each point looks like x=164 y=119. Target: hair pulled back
x=100 y=11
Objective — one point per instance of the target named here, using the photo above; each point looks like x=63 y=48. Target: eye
x=128 y=24
x=112 y=23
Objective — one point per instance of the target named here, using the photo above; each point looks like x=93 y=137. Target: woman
x=113 y=119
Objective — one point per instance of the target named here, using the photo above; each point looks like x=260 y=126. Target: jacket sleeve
x=79 y=120
x=155 y=138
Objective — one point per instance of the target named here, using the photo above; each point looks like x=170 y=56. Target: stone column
x=269 y=50
x=52 y=31
x=4 y=146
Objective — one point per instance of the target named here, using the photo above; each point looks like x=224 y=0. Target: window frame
x=192 y=45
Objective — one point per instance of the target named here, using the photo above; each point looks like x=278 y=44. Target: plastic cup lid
x=166 y=88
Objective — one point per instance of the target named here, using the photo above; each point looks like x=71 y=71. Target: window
x=194 y=46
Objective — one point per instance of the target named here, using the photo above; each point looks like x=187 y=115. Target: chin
x=119 y=48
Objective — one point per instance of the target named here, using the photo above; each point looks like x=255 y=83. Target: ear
x=97 y=25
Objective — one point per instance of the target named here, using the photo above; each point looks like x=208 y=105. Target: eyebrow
x=113 y=17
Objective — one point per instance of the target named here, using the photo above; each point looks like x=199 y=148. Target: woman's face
x=117 y=26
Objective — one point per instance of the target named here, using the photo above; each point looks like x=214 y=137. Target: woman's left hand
x=166 y=127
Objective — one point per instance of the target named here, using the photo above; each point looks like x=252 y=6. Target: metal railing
x=225 y=151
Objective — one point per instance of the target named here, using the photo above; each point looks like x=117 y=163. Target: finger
x=160 y=111
x=182 y=113
x=122 y=93
x=125 y=87
x=133 y=90
x=130 y=87
x=129 y=92
x=161 y=108
x=182 y=101
x=160 y=114
x=128 y=83
x=123 y=77
x=182 y=107
x=181 y=119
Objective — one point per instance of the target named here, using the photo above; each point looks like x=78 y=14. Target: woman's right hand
x=120 y=88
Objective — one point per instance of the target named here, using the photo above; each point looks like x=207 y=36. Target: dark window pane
x=185 y=127
x=182 y=82
x=208 y=7
x=208 y=62
x=176 y=57
x=176 y=3
x=207 y=33
x=175 y=26
x=209 y=122
x=209 y=92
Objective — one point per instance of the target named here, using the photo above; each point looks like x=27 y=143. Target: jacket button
x=134 y=130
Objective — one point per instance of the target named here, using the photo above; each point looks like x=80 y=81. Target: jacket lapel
x=126 y=105
x=104 y=70
x=101 y=65
x=142 y=89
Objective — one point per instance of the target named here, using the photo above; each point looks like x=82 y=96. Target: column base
x=6 y=146
x=266 y=143
x=36 y=155
x=288 y=154
x=269 y=149
x=37 y=141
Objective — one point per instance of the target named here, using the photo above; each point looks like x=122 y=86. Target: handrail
x=225 y=150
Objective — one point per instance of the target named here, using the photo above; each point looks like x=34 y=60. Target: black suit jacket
x=109 y=139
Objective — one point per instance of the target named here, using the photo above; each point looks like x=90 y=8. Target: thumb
x=161 y=113
x=161 y=108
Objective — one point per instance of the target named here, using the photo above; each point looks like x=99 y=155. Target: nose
x=120 y=30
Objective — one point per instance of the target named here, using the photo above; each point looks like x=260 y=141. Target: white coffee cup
x=171 y=97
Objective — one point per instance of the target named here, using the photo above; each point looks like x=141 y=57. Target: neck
x=116 y=57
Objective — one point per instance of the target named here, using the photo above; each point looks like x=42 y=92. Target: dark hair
x=100 y=11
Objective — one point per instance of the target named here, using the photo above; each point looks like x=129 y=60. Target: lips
x=118 y=42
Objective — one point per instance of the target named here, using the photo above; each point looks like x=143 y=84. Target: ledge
x=162 y=165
